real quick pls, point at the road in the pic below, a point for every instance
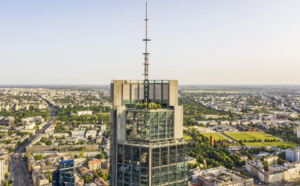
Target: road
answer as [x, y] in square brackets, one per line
[19, 170]
[42, 131]
[20, 173]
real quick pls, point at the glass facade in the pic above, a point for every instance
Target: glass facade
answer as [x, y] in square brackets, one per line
[147, 125]
[133, 167]
[149, 152]
[64, 175]
[167, 167]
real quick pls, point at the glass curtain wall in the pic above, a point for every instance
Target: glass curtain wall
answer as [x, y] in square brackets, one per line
[133, 163]
[149, 125]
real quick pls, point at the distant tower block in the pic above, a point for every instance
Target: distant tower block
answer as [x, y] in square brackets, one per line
[211, 141]
[204, 163]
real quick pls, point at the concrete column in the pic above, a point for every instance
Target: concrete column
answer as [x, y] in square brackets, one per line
[178, 122]
[173, 92]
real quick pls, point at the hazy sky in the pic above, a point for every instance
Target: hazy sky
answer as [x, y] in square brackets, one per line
[194, 41]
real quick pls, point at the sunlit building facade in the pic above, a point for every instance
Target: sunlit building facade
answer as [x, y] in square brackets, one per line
[147, 141]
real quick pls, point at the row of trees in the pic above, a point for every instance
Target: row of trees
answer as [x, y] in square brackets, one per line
[285, 132]
[18, 115]
[214, 156]
[259, 140]
[194, 111]
[85, 119]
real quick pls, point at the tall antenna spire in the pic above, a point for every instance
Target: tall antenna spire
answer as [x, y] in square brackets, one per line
[146, 63]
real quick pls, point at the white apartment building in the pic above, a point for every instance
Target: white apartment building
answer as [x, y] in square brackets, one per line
[103, 127]
[276, 173]
[2, 171]
[297, 131]
[205, 130]
[92, 133]
[79, 113]
[78, 133]
[61, 134]
[94, 164]
[30, 125]
[293, 154]
[32, 119]
[220, 176]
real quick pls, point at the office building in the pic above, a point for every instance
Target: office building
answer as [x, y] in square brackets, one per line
[147, 139]
[64, 175]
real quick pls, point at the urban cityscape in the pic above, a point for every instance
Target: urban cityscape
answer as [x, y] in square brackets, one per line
[150, 130]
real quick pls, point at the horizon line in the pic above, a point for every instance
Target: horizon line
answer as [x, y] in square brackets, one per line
[178, 84]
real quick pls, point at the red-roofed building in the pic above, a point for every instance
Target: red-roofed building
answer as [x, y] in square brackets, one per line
[94, 164]
[100, 182]
[83, 170]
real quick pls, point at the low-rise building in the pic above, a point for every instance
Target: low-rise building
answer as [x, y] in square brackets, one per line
[297, 131]
[100, 182]
[102, 127]
[276, 174]
[30, 125]
[220, 176]
[92, 133]
[94, 164]
[191, 160]
[28, 120]
[204, 130]
[215, 116]
[7, 121]
[50, 129]
[293, 154]
[224, 122]
[72, 140]
[83, 170]
[79, 133]
[80, 113]
[60, 135]
[39, 178]
[32, 131]
[272, 160]
[194, 173]
[225, 128]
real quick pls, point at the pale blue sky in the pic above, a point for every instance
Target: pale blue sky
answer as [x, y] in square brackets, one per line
[194, 41]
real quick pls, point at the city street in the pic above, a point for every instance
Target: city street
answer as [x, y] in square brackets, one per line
[19, 170]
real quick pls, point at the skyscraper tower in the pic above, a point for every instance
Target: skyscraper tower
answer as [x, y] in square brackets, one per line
[64, 175]
[147, 145]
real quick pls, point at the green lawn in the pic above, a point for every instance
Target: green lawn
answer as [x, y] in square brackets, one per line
[187, 137]
[249, 136]
[276, 144]
[216, 136]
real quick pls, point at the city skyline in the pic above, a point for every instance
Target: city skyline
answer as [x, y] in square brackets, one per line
[199, 42]
[234, 118]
